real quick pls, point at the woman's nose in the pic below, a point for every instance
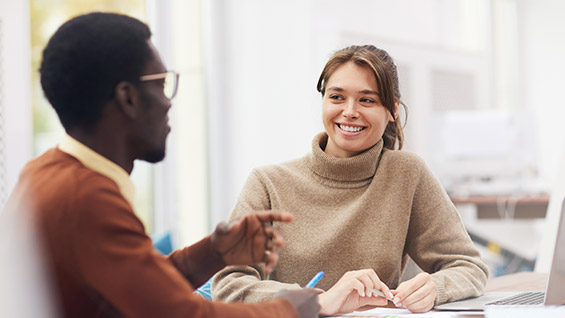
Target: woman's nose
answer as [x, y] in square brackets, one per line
[351, 110]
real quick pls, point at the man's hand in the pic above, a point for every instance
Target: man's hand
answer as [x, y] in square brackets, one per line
[250, 240]
[304, 300]
[417, 294]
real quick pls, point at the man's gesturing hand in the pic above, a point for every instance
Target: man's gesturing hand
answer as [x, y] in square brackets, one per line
[250, 240]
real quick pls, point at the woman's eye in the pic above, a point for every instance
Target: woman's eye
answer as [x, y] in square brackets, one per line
[336, 97]
[367, 100]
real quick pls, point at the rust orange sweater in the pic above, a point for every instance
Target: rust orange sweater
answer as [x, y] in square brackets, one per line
[103, 262]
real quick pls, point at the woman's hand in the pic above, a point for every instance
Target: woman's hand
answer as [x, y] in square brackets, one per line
[250, 240]
[417, 294]
[352, 291]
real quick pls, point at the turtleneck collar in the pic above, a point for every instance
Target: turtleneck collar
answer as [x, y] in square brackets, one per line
[354, 169]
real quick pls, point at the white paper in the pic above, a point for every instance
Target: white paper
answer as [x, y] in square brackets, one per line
[400, 313]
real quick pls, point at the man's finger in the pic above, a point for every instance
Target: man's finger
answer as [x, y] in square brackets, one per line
[271, 261]
[269, 246]
[278, 238]
[271, 216]
[222, 228]
[269, 231]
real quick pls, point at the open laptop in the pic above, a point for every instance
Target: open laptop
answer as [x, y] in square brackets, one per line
[554, 293]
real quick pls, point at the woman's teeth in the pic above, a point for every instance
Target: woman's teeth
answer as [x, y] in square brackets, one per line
[350, 128]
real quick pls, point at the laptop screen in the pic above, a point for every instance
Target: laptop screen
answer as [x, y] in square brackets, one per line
[555, 293]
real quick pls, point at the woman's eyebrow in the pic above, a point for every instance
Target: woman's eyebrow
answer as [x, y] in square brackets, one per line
[336, 88]
[368, 91]
[364, 91]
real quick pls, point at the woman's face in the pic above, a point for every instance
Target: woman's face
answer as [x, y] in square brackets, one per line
[353, 115]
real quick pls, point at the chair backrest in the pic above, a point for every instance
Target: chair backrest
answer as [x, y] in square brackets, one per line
[25, 283]
[163, 243]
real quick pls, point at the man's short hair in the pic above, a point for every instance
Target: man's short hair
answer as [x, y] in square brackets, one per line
[86, 58]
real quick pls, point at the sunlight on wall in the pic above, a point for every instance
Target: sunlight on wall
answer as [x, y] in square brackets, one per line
[191, 123]
[46, 16]
[181, 185]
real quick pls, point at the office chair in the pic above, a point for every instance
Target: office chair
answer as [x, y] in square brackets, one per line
[164, 244]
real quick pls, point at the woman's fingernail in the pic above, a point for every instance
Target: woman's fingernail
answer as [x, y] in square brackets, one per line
[362, 293]
[369, 294]
[396, 301]
[390, 296]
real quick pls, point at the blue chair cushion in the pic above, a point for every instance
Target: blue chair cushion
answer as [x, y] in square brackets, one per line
[163, 243]
[204, 290]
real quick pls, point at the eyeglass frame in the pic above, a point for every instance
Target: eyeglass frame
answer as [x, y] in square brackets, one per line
[158, 76]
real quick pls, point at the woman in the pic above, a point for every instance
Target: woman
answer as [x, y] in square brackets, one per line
[361, 207]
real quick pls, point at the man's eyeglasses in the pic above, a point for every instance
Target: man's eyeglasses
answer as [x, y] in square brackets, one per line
[171, 82]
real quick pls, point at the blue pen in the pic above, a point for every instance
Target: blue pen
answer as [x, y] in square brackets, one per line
[315, 280]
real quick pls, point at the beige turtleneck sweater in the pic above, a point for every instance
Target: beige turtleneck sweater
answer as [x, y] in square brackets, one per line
[372, 210]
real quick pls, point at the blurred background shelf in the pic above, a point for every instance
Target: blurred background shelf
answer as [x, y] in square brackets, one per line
[506, 229]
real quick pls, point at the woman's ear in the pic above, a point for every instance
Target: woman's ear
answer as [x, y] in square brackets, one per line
[393, 117]
[127, 98]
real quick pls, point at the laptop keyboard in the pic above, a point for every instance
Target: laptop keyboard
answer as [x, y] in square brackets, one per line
[527, 298]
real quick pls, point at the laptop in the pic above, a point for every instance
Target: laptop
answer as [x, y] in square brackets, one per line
[554, 293]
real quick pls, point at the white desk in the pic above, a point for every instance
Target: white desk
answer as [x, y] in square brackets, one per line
[519, 281]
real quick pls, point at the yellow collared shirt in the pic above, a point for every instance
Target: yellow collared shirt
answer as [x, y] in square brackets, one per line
[93, 160]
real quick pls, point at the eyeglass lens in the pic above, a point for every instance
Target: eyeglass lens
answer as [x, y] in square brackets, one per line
[171, 84]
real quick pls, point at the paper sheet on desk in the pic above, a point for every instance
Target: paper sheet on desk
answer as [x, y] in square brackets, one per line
[401, 313]
[524, 311]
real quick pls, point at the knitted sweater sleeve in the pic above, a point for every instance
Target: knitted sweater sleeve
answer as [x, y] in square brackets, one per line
[439, 243]
[248, 283]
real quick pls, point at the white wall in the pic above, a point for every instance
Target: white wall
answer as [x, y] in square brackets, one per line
[543, 60]
[264, 59]
[543, 56]
[261, 88]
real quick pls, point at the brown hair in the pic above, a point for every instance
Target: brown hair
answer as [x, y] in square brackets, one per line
[386, 75]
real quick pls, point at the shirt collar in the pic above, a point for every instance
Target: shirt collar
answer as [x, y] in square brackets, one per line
[93, 160]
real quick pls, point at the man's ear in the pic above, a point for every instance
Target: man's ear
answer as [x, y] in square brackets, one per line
[127, 99]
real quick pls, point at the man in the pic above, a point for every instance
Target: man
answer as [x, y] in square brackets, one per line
[112, 94]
